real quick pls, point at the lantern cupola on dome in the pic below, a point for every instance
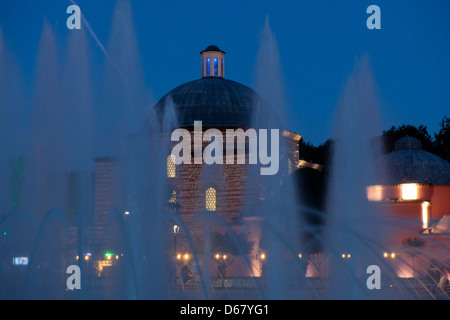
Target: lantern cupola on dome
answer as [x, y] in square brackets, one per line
[213, 62]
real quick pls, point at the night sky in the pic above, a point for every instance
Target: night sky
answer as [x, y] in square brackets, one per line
[318, 41]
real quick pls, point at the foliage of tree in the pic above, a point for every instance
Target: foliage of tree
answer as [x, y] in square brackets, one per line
[413, 247]
[237, 245]
[225, 244]
[438, 143]
[442, 139]
[320, 154]
[391, 136]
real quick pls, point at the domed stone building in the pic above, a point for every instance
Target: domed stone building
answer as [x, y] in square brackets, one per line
[232, 192]
[414, 192]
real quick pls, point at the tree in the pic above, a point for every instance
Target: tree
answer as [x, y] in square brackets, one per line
[442, 139]
[225, 247]
[320, 154]
[413, 247]
[315, 252]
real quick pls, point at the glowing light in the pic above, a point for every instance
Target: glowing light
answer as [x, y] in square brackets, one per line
[386, 254]
[127, 213]
[343, 256]
[348, 256]
[425, 206]
[217, 256]
[393, 255]
[300, 255]
[375, 193]
[86, 257]
[171, 167]
[409, 191]
[211, 199]
[216, 73]
[179, 256]
[186, 256]
[225, 257]
[101, 264]
[109, 255]
[263, 256]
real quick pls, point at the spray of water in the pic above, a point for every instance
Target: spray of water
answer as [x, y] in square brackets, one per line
[281, 232]
[353, 225]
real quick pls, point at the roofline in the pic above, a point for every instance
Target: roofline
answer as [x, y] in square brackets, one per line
[213, 51]
[292, 135]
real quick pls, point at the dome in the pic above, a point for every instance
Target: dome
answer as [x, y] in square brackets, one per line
[408, 163]
[408, 143]
[212, 48]
[215, 101]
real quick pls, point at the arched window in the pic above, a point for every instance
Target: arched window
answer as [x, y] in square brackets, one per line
[208, 67]
[173, 197]
[216, 67]
[210, 199]
[171, 167]
[173, 201]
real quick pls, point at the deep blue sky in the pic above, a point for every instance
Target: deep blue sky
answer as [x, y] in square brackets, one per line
[318, 42]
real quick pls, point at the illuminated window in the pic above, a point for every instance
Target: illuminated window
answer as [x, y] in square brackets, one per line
[171, 168]
[409, 191]
[425, 214]
[173, 202]
[375, 193]
[173, 197]
[208, 66]
[210, 199]
[216, 67]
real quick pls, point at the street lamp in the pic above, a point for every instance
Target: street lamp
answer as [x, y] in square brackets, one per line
[176, 230]
[261, 257]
